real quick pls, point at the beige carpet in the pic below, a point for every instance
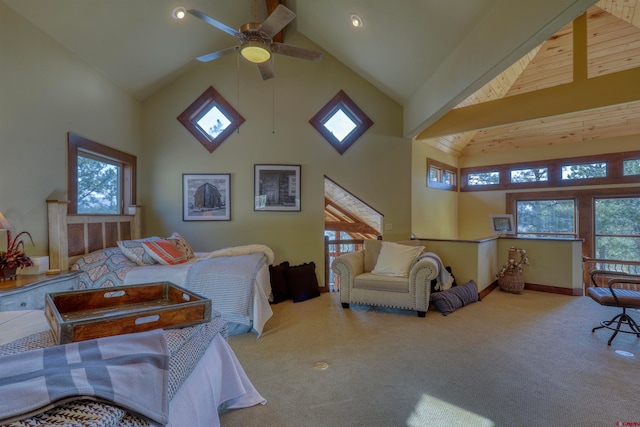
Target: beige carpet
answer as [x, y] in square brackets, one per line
[509, 360]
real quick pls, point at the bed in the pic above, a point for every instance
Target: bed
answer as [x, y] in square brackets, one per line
[201, 376]
[109, 251]
[174, 377]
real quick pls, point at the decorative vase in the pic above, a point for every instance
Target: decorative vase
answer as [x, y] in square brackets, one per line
[8, 273]
[512, 281]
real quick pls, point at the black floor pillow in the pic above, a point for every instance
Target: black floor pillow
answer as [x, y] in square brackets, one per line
[302, 282]
[279, 287]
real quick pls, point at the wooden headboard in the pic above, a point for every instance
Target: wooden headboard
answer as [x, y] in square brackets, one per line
[72, 236]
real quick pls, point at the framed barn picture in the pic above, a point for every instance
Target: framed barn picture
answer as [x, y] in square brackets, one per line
[206, 197]
[277, 188]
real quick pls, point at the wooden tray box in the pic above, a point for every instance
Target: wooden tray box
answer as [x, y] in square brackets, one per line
[95, 313]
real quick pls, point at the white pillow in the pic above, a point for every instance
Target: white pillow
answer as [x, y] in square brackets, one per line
[396, 259]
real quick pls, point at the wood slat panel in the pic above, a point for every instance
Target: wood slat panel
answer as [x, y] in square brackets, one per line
[613, 43]
[111, 233]
[76, 239]
[95, 240]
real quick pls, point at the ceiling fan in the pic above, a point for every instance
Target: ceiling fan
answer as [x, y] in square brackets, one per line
[256, 40]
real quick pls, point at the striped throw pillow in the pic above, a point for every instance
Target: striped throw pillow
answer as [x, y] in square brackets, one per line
[165, 251]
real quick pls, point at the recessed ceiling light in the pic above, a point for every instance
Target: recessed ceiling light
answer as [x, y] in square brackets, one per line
[179, 12]
[356, 21]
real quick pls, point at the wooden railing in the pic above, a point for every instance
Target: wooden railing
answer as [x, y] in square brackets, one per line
[332, 250]
[614, 266]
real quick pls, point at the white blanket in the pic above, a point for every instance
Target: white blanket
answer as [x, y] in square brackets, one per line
[445, 280]
[241, 250]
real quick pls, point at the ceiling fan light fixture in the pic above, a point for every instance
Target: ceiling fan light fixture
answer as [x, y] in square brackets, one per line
[179, 12]
[255, 52]
[356, 21]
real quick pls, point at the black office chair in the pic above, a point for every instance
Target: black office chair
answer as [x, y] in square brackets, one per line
[616, 289]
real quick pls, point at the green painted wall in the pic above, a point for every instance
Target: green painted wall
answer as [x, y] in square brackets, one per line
[276, 131]
[45, 92]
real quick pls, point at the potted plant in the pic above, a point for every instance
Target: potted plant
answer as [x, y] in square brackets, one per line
[510, 275]
[14, 257]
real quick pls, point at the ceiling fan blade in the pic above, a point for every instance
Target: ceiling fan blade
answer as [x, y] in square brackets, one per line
[296, 52]
[215, 55]
[266, 70]
[277, 21]
[219, 25]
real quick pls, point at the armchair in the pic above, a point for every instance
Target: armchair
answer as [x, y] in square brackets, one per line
[359, 284]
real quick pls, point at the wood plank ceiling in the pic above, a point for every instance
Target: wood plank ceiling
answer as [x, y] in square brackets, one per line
[345, 212]
[613, 45]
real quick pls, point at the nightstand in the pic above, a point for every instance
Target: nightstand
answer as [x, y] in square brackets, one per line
[28, 292]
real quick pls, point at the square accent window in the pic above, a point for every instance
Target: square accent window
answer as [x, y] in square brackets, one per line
[211, 119]
[341, 122]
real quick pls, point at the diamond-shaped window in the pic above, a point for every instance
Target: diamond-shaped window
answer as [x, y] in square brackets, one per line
[341, 122]
[211, 119]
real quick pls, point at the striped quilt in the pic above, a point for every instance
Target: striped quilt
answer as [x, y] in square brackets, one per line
[184, 347]
[228, 282]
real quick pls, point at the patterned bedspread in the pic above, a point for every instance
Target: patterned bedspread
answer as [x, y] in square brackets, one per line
[185, 347]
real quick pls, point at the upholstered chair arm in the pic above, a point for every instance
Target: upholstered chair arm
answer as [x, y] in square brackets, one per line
[420, 277]
[348, 266]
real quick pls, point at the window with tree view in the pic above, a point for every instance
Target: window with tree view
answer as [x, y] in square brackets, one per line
[585, 170]
[546, 218]
[99, 184]
[617, 228]
[102, 180]
[631, 167]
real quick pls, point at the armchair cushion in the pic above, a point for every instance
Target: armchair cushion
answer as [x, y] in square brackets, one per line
[396, 259]
[377, 282]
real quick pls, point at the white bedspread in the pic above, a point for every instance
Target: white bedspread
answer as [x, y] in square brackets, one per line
[177, 274]
[196, 403]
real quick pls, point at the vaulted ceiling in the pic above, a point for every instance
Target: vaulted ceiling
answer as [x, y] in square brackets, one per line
[426, 55]
[611, 42]
[461, 69]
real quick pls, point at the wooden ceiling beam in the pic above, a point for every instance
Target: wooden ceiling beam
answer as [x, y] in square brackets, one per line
[271, 6]
[597, 92]
[349, 227]
[329, 203]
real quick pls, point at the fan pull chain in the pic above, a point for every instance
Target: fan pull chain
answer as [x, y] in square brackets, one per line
[238, 92]
[273, 99]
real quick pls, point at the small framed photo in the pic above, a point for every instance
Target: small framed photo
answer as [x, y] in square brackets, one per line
[277, 188]
[502, 224]
[206, 197]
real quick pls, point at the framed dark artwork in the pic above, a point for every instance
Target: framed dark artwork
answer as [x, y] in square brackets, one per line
[502, 224]
[277, 188]
[206, 197]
